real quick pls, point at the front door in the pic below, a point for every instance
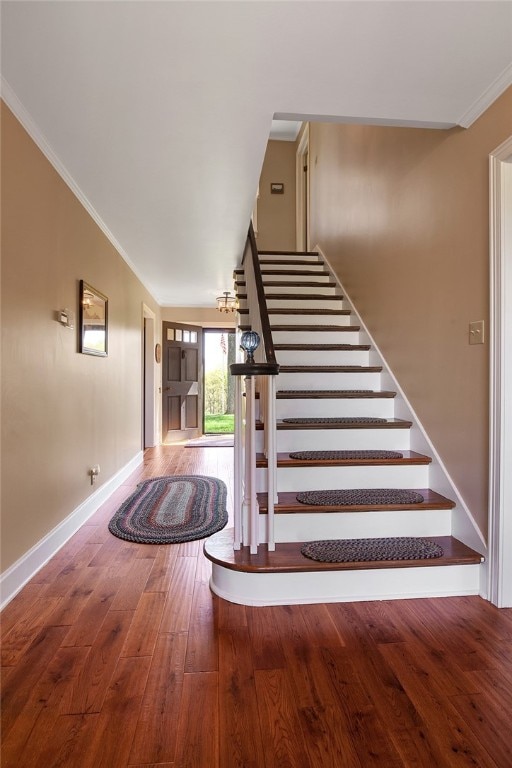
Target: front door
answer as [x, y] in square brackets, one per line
[182, 397]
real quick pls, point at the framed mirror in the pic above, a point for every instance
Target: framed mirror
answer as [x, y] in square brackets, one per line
[93, 338]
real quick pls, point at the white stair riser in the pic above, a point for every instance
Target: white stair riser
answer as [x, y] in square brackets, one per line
[338, 439]
[344, 586]
[358, 525]
[321, 289]
[292, 278]
[305, 303]
[322, 357]
[371, 406]
[314, 337]
[321, 380]
[278, 319]
[313, 266]
[325, 478]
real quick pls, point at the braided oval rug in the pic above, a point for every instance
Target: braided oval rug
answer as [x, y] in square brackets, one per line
[357, 496]
[366, 550]
[169, 510]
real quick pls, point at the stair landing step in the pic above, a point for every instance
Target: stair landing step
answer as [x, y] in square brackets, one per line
[288, 504]
[330, 394]
[285, 460]
[287, 557]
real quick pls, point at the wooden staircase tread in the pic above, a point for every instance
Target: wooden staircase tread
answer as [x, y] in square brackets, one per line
[304, 296]
[323, 347]
[288, 504]
[300, 284]
[316, 328]
[287, 557]
[388, 424]
[331, 368]
[307, 311]
[287, 253]
[293, 262]
[327, 394]
[306, 272]
[285, 460]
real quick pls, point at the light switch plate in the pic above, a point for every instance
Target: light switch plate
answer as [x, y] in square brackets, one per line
[476, 332]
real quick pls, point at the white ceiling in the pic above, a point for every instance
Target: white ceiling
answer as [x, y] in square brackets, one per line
[158, 113]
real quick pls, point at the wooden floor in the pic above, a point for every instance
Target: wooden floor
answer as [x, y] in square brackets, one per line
[117, 654]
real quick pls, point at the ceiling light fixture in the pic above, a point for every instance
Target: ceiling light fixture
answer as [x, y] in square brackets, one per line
[226, 302]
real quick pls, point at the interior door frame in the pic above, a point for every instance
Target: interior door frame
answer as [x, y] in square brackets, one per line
[149, 425]
[302, 192]
[500, 422]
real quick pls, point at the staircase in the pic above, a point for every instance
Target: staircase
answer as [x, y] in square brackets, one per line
[331, 376]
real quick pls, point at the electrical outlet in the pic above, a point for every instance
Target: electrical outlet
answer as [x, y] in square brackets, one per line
[476, 332]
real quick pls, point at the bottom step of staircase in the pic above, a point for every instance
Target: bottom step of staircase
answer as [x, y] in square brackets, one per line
[285, 576]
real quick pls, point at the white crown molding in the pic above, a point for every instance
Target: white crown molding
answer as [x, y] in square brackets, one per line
[489, 96]
[19, 573]
[29, 124]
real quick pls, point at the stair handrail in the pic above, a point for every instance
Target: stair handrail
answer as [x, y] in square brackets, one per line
[261, 372]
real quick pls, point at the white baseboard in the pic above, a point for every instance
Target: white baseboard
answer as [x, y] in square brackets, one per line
[20, 572]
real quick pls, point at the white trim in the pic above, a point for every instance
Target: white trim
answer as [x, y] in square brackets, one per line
[149, 411]
[464, 526]
[301, 190]
[306, 587]
[500, 445]
[489, 96]
[44, 145]
[20, 572]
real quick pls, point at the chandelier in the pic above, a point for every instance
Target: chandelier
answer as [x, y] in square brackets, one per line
[226, 302]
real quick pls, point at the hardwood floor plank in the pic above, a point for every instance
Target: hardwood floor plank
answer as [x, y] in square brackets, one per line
[203, 642]
[113, 735]
[129, 593]
[490, 723]
[322, 630]
[156, 732]
[26, 630]
[267, 650]
[143, 632]
[446, 731]
[19, 606]
[283, 743]
[90, 687]
[240, 736]
[176, 614]
[198, 728]
[41, 710]
[20, 683]
[88, 623]
[162, 570]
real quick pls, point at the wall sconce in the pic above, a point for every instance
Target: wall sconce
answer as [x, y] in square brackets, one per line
[226, 302]
[66, 317]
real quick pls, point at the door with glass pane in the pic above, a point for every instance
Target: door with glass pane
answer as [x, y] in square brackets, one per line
[182, 396]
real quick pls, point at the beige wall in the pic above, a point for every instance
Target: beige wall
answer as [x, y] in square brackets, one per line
[276, 213]
[62, 411]
[403, 217]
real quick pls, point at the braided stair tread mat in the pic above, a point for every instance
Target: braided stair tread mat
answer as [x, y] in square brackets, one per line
[322, 367]
[313, 455]
[365, 550]
[335, 420]
[358, 496]
[324, 391]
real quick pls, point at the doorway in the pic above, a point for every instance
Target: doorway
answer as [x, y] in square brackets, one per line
[182, 397]
[148, 379]
[302, 187]
[219, 351]
[500, 448]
